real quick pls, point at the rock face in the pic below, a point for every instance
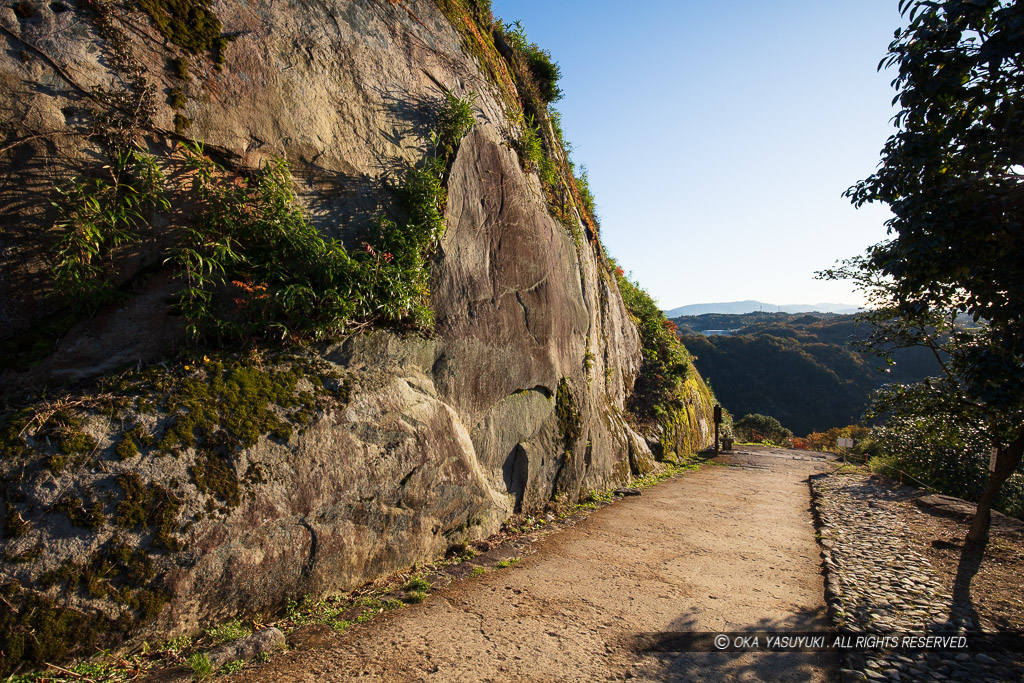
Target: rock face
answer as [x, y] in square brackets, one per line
[517, 399]
[523, 307]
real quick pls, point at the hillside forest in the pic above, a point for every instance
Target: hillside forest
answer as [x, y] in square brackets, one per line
[810, 375]
[798, 368]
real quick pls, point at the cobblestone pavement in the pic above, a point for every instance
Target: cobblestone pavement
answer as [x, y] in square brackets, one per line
[875, 583]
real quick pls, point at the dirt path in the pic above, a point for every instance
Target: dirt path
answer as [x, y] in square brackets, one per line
[724, 549]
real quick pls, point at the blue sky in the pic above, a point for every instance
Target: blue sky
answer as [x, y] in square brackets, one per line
[720, 136]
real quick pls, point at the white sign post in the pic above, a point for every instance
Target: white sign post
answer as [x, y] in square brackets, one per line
[992, 460]
[844, 443]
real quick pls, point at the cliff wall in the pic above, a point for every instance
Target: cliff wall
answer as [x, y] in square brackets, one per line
[172, 484]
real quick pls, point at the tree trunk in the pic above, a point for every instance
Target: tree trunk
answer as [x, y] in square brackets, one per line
[1007, 460]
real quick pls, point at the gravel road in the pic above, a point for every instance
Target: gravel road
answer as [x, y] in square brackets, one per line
[728, 548]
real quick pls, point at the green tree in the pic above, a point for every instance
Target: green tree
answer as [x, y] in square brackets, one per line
[952, 176]
[950, 455]
[757, 427]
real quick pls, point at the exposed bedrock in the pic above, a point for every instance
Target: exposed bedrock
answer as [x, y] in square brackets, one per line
[412, 442]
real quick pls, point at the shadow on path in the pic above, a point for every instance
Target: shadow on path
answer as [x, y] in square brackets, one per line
[962, 609]
[684, 654]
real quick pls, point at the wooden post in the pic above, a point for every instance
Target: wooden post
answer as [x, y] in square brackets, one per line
[718, 420]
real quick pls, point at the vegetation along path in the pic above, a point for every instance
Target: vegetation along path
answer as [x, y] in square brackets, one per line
[730, 547]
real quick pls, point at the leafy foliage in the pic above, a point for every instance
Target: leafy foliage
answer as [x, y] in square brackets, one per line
[250, 263]
[200, 665]
[250, 236]
[761, 428]
[587, 197]
[828, 441]
[545, 73]
[941, 453]
[455, 119]
[99, 214]
[973, 372]
[481, 9]
[951, 176]
[666, 362]
[286, 277]
[530, 147]
[540, 141]
[976, 389]
[234, 666]
[227, 631]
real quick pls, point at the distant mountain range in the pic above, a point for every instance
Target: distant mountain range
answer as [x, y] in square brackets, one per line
[737, 307]
[798, 368]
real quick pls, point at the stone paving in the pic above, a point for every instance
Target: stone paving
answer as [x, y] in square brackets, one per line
[875, 583]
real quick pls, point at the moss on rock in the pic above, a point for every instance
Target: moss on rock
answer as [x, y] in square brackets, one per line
[116, 571]
[25, 556]
[570, 421]
[229, 406]
[684, 422]
[14, 524]
[149, 506]
[88, 516]
[216, 477]
[189, 24]
[12, 440]
[39, 632]
[126, 448]
[75, 441]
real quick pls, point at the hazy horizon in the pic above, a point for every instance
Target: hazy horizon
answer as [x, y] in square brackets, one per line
[754, 306]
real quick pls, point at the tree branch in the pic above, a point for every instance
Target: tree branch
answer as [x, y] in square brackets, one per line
[933, 346]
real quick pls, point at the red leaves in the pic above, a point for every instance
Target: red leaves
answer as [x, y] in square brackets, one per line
[252, 292]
